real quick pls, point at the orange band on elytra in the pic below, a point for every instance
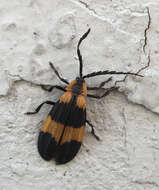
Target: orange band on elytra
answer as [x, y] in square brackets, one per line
[66, 97]
[71, 134]
[53, 128]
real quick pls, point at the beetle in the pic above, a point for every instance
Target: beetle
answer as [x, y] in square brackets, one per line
[62, 132]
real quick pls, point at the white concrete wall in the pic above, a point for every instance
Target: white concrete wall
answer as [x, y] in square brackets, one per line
[34, 32]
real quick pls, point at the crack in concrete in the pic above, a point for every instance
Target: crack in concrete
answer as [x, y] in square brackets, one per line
[146, 30]
[82, 4]
[141, 69]
[92, 12]
[148, 64]
[125, 135]
[25, 80]
[20, 79]
[146, 182]
[88, 7]
[124, 127]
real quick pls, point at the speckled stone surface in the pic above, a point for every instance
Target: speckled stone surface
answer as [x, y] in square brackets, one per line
[124, 37]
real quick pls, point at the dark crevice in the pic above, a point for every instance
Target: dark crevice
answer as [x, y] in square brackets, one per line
[88, 7]
[146, 30]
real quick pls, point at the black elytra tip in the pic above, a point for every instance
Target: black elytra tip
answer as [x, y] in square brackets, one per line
[46, 146]
[67, 151]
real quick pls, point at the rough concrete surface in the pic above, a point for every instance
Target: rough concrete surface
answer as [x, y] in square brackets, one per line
[124, 37]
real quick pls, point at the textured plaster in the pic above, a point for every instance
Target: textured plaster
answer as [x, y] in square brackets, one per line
[124, 37]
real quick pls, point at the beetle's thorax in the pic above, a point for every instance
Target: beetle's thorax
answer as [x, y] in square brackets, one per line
[77, 87]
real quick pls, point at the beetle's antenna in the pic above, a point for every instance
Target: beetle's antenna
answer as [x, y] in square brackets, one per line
[107, 72]
[79, 54]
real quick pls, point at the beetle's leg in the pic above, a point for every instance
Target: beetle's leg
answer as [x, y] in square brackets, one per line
[101, 85]
[39, 107]
[108, 91]
[45, 87]
[58, 75]
[93, 132]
